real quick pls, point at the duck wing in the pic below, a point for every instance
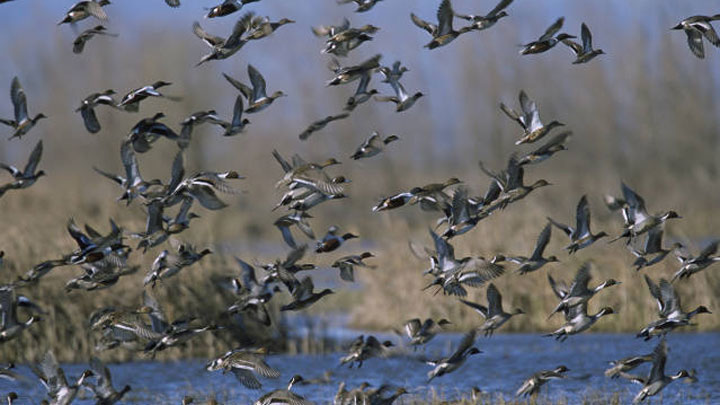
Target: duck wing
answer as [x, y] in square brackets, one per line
[34, 159]
[243, 88]
[709, 250]
[19, 100]
[582, 278]
[499, 7]
[211, 40]
[258, 83]
[494, 301]
[427, 26]
[586, 38]
[246, 378]
[480, 309]
[551, 30]
[560, 289]
[542, 242]
[445, 17]
[694, 39]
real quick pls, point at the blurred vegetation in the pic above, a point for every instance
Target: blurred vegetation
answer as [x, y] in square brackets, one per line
[646, 113]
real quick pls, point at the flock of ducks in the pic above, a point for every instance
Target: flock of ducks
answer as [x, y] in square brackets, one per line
[104, 256]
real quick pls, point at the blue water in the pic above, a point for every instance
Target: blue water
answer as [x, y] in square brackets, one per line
[505, 362]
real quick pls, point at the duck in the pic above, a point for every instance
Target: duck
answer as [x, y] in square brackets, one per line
[10, 326]
[548, 40]
[362, 94]
[331, 241]
[174, 337]
[22, 124]
[639, 221]
[651, 251]
[257, 97]
[227, 7]
[581, 236]
[304, 296]
[494, 315]
[348, 74]
[451, 363]
[462, 214]
[147, 131]
[167, 265]
[403, 101]
[284, 396]
[299, 219]
[87, 108]
[104, 391]
[577, 320]
[451, 273]
[376, 397]
[344, 41]
[299, 167]
[583, 53]
[552, 146]
[373, 146]
[53, 378]
[88, 34]
[238, 123]
[202, 186]
[320, 124]
[262, 27]
[392, 202]
[533, 128]
[100, 275]
[11, 397]
[131, 100]
[133, 184]
[347, 264]
[223, 48]
[84, 9]
[512, 186]
[94, 247]
[306, 192]
[626, 364]
[442, 33]
[362, 349]
[243, 363]
[531, 386]
[7, 373]
[695, 28]
[670, 312]
[198, 118]
[26, 177]
[692, 265]
[362, 5]
[421, 332]
[433, 190]
[656, 381]
[536, 260]
[480, 22]
[578, 292]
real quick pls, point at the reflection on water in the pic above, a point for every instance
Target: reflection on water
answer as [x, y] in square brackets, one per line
[506, 361]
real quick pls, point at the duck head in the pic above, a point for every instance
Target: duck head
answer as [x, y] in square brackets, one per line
[561, 369]
[702, 310]
[564, 36]
[349, 236]
[677, 27]
[160, 83]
